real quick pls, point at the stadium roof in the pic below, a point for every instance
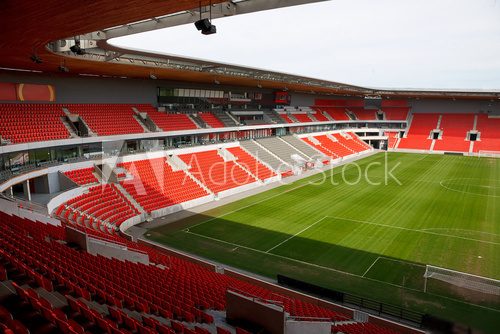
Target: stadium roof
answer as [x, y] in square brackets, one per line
[47, 29]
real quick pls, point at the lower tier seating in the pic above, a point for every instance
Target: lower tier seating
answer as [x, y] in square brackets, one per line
[105, 295]
[155, 185]
[250, 163]
[418, 136]
[218, 175]
[488, 128]
[454, 129]
[261, 154]
[82, 176]
[102, 207]
[281, 149]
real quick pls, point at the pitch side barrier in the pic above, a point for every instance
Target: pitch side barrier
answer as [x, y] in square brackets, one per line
[371, 306]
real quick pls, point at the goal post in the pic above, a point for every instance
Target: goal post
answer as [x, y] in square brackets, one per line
[488, 154]
[457, 280]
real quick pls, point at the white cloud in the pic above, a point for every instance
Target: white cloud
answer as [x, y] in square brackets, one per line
[383, 43]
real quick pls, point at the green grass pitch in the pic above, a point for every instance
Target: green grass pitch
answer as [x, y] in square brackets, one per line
[372, 240]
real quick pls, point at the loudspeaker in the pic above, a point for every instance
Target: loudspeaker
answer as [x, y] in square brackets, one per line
[211, 30]
[203, 24]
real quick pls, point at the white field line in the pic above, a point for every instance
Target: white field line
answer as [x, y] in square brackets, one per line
[333, 270]
[265, 199]
[370, 267]
[391, 259]
[425, 231]
[296, 234]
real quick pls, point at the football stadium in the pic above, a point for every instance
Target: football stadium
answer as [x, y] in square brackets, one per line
[145, 192]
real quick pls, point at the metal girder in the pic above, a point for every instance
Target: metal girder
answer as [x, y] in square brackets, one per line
[228, 8]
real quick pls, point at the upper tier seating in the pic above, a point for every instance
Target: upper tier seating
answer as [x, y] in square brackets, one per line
[102, 207]
[455, 128]
[171, 121]
[211, 120]
[107, 119]
[489, 129]
[218, 175]
[82, 176]
[320, 117]
[155, 185]
[250, 163]
[396, 113]
[23, 123]
[286, 118]
[337, 113]
[302, 118]
[364, 114]
[418, 136]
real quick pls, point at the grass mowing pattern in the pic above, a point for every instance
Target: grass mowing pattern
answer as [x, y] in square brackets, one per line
[362, 238]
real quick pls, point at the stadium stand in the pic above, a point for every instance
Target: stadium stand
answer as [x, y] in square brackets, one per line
[82, 176]
[281, 149]
[337, 145]
[337, 113]
[396, 113]
[455, 128]
[107, 119]
[303, 118]
[218, 175]
[100, 294]
[489, 139]
[418, 136]
[102, 207]
[211, 120]
[286, 118]
[350, 140]
[155, 185]
[171, 121]
[264, 155]
[302, 147]
[320, 117]
[392, 138]
[250, 163]
[23, 123]
[364, 114]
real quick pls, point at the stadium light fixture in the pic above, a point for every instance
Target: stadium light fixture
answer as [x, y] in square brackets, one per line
[205, 25]
[77, 49]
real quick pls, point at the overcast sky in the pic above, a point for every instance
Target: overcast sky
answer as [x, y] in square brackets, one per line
[375, 43]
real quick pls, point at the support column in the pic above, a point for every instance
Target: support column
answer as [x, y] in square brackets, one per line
[11, 192]
[26, 190]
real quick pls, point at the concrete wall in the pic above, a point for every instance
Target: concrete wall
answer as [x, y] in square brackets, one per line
[83, 89]
[450, 106]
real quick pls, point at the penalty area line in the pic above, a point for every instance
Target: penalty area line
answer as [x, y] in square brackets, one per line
[370, 267]
[296, 234]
